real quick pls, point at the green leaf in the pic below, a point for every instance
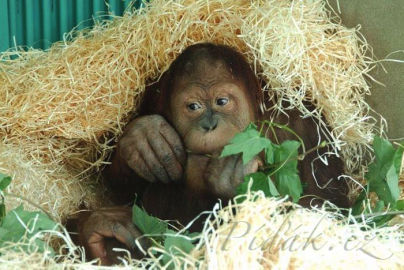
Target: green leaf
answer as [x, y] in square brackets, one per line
[249, 143]
[400, 205]
[379, 207]
[176, 245]
[180, 242]
[383, 173]
[2, 211]
[3, 232]
[381, 220]
[357, 208]
[146, 223]
[273, 191]
[289, 184]
[4, 181]
[287, 179]
[397, 159]
[269, 154]
[383, 149]
[260, 181]
[192, 235]
[382, 190]
[286, 155]
[20, 226]
[392, 183]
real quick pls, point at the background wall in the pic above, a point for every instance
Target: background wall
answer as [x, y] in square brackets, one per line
[382, 25]
[38, 23]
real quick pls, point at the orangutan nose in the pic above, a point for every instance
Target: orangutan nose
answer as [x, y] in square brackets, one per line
[209, 122]
[210, 127]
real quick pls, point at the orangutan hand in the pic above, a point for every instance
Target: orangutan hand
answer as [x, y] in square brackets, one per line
[100, 230]
[223, 175]
[152, 148]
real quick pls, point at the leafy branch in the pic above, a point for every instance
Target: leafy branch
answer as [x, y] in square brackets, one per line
[281, 164]
[20, 226]
[173, 243]
[271, 126]
[381, 179]
[281, 161]
[29, 202]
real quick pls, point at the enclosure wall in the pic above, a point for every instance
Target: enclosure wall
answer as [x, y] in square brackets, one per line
[39, 23]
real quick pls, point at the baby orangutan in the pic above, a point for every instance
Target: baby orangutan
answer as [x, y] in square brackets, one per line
[169, 154]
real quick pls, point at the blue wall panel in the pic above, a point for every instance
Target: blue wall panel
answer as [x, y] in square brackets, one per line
[39, 23]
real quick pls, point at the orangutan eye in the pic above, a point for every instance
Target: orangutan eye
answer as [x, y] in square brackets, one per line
[222, 101]
[194, 106]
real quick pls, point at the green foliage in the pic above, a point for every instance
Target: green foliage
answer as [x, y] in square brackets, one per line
[4, 181]
[21, 226]
[287, 179]
[280, 159]
[260, 181]
[146, 223]
[280, 177]
[400, 205]
[173, 243]
[2, 212]
[249, 143]
[357, 208]
[382, 179]
[384, 172]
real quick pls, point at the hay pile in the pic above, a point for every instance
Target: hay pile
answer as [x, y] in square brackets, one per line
[260, 233]
[62, 110]
[300, 239]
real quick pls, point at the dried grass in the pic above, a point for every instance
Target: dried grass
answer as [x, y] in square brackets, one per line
[300, 239]
[61, 110]
[60, 106]
[279, 235]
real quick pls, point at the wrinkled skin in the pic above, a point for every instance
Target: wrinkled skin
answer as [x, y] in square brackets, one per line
[107, 228]
[153, 149]
[169, 154]
[221, 175]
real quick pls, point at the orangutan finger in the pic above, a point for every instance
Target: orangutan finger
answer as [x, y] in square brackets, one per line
[153, 163]
[123, 235]
[166, 156]
[96, 246]
[173, 139]
[143, 241]
[138, 164]
[228, 169]
[238, 172]
[252, 166]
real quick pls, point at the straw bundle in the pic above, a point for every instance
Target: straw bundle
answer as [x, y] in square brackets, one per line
[62, 110]
[260, 233]
[266, 234]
